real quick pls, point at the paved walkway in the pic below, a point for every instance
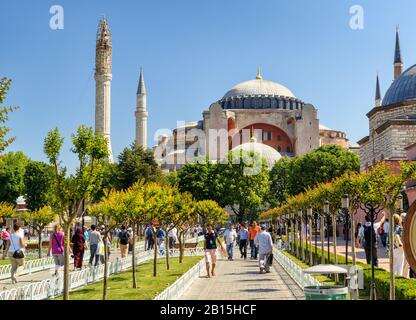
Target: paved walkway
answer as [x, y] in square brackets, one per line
[240, 280]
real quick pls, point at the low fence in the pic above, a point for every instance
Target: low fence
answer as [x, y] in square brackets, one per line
[178, 288]
[294, 271]
[52, 287]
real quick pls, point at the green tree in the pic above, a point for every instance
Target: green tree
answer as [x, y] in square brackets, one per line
[4, 115]
[37, 184]
[7, 210]
[210, 212]
[39, 220]
[71, 192]
[134, 164]
[290, 177]
[244, 184]
[12, 171]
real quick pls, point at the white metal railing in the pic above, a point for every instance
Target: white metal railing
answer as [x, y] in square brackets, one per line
[45, 263]
[52, 287]
[177, 289]
[294, 271]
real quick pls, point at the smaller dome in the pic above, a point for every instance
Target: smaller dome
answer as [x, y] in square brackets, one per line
[403, 88]
[268, 153]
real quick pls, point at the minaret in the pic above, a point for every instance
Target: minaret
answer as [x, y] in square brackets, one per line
[103, 76]
[141, 113]
[378, 93]
[398, 63]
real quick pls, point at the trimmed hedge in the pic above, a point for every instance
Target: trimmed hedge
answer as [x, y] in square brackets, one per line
[405, 288]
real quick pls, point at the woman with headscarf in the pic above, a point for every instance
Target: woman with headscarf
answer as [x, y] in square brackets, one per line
[78, 249]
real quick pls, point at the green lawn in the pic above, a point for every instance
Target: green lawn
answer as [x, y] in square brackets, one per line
[148, 287]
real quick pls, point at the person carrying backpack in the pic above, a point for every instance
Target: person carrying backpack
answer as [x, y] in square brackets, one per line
[365, 239]
[123, 241]
[150, 240]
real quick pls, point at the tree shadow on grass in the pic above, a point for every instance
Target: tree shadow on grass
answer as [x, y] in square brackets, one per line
[259, 290]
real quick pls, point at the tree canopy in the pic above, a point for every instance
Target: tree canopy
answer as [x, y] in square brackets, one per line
[4, 115]
[12, 170]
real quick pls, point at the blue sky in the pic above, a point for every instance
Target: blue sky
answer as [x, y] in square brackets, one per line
[192, 52]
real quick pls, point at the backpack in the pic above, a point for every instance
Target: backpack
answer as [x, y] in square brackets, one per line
[149, 232]
[124, 237]
[367, 236]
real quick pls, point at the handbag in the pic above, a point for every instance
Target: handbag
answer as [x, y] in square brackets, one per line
[17, 254]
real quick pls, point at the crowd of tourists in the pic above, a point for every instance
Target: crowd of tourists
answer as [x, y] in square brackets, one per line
[259, 238]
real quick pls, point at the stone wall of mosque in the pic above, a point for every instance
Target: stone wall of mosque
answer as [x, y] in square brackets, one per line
[390, 144]
[388, 113]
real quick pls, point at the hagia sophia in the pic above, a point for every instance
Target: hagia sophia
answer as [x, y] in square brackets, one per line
[267, 117]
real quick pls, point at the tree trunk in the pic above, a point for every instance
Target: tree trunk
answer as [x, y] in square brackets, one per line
[66, 260]
[180, 239]
[322, 240]
[105, 266]
[133, 257]
[392, 293]
[154, 254]
[40, 244]
[167, 249]
[302, 242]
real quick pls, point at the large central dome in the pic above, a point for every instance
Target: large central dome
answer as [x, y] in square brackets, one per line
[259, 87]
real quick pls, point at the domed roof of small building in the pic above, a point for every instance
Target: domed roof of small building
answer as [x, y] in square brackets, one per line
[403, 88]
[259, 87]
[270, 154]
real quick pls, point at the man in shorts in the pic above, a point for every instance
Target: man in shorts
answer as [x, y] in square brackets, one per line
[210, 250]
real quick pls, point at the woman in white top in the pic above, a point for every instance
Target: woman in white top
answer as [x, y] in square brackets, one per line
[15, 243]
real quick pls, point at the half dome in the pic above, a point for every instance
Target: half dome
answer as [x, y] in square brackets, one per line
[403, 88]
[259, 87]
[268, 153]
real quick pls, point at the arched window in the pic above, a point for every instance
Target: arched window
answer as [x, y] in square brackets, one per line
[288, 149]
[279, 148]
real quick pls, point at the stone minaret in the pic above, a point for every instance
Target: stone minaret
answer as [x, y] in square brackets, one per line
[378, 93]
[103, 76]
[398, 63]
[141, 113]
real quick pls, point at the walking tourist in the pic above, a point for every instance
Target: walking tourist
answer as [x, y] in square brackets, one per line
[15, 249]
[5, 235]
[398, 251]
[78, 248]
[364, 234]
[86, 234]
[160, 236]
[243, 234]
[56, 245]
[130, 231]
[123, 241]
[210, 250]
[99, 254]
[264, 242]
[149, 236]
[172, 235]
[95, 238]
[230, 237]
[386, 229]
[253, 230]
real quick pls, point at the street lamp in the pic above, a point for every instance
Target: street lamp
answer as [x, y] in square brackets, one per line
[372, 211]
[292, 224]
[309, 215]
[328, 223]
[301, 242]
[345, 204]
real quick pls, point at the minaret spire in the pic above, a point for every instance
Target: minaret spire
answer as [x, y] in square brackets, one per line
[103, 76]
[141, 112]
[398, 62]
[378, 93]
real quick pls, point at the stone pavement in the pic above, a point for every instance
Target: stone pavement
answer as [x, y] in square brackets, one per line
[240, 280]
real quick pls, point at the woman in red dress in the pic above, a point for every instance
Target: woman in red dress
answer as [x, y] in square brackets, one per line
[78, 249]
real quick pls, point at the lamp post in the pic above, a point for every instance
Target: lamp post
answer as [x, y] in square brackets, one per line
[345, 204]
[328, 223]
[309, 214]
[372, 211]
[316, 217]
[301, 234]
[292, 224]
